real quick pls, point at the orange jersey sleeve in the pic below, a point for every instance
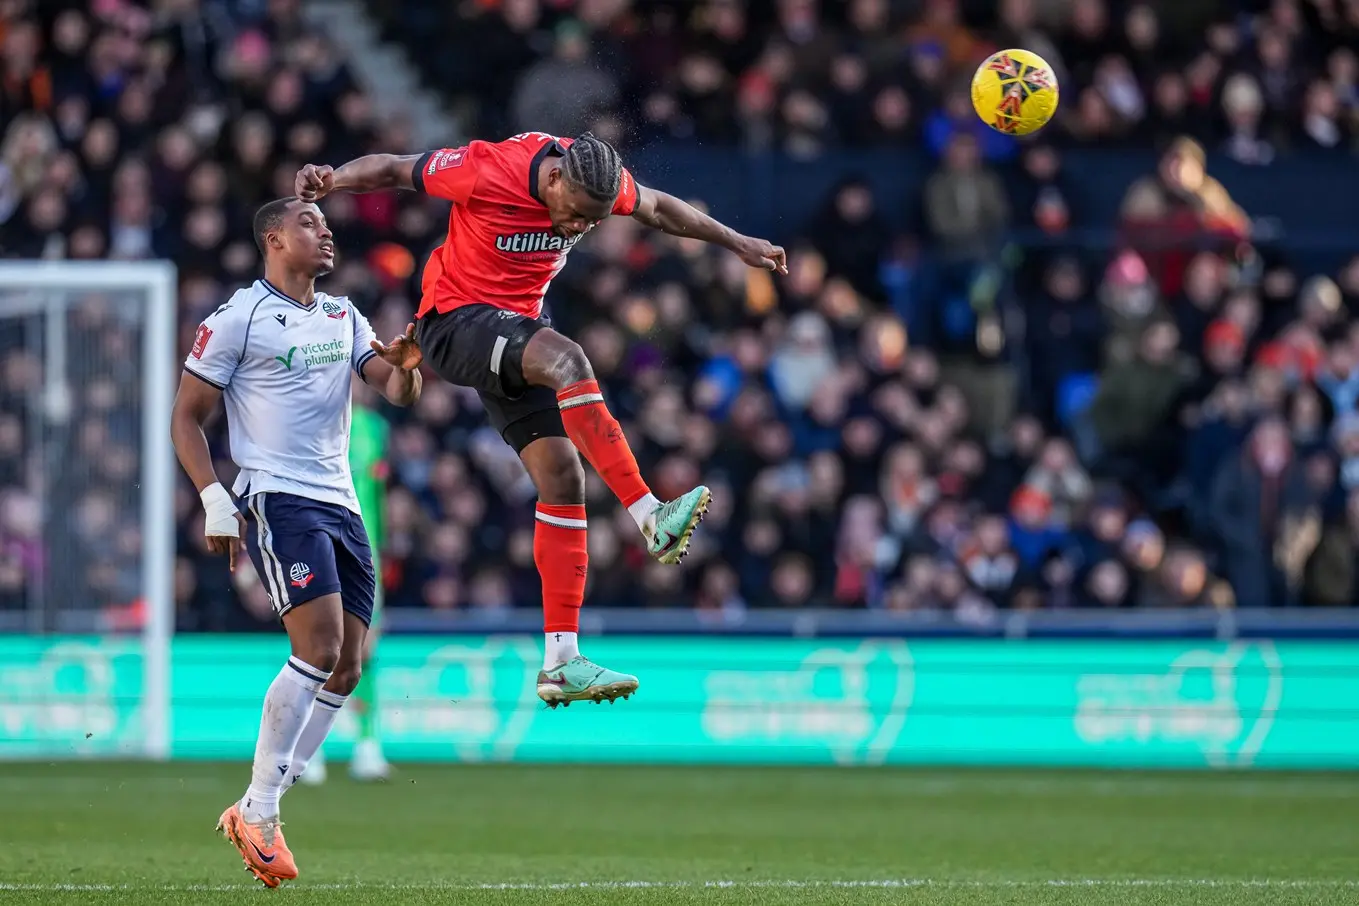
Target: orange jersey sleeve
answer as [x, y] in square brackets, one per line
[449, 173]
[626, 202]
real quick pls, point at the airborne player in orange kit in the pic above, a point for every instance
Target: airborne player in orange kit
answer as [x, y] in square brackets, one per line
[519, 207]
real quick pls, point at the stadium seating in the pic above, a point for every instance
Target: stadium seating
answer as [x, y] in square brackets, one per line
[835, 411]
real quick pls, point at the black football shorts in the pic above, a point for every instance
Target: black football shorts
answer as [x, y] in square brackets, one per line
[482, 347]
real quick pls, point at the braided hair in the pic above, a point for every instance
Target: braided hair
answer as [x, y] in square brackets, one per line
[594, 166]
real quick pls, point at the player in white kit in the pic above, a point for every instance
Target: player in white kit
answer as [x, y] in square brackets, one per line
[280, 354]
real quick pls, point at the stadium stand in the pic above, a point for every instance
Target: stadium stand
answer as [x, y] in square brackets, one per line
[1018, 380]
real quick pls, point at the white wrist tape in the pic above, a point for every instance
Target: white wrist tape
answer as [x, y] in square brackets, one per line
[220, 510]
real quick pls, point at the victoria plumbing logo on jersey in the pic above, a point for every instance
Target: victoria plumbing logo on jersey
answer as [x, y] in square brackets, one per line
[543, 241]
[329, 353]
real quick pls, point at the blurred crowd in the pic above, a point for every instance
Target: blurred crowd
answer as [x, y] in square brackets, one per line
[911, 419]
[805, 76]
[136, 131]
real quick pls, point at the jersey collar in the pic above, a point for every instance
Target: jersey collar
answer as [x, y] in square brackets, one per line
[285, 297]
[552, 147]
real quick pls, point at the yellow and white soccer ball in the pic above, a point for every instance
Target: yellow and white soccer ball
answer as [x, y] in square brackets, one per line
[1015, 92]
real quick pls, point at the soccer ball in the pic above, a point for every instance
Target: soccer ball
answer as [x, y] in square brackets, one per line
[1015, 92]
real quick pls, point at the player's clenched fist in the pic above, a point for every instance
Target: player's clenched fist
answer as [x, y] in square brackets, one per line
[314, 182]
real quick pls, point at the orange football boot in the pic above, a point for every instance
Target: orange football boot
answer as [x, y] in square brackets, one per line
[262, 847]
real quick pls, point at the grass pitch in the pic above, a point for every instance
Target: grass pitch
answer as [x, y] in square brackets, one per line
[138, 833]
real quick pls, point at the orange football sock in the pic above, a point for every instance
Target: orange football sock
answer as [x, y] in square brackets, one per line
[596, 434]
[562, 556]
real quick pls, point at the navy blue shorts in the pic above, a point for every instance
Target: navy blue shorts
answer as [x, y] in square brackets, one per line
[303, 549]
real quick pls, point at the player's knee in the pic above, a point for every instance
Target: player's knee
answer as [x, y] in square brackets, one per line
[571, 366]
[319, 647]
[345, 678]
[322, 655]
[316, 630]
[561, 479]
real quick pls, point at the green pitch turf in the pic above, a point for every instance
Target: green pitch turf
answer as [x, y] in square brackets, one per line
[526, 835]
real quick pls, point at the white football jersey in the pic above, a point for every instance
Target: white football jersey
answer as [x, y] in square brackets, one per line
[284, 368]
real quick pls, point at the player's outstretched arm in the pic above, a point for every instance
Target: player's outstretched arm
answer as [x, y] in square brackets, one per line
[396, 368]
[371, 173]
[195, 401]
[678, 218]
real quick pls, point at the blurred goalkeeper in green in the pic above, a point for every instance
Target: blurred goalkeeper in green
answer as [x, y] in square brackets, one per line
[368, 462]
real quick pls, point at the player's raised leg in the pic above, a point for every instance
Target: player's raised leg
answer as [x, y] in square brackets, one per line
[561, 553]
[552, 360]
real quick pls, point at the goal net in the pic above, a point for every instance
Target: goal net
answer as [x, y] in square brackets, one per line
[87, 377]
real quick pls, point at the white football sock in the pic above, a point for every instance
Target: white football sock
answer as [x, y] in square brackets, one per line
[287, 708]
[643, 508]
[560, 648]
[328, 705]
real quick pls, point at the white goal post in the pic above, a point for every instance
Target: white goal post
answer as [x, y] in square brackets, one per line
[41, 320]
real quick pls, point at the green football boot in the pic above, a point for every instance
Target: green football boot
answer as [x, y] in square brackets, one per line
[668, 530]
[581, 680]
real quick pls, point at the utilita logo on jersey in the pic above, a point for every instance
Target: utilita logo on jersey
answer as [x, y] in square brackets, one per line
[530, 243]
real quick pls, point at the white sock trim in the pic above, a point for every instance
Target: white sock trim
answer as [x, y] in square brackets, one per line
[561, 521]
[307, 676]
[641, 509]
[560, 647]
[331, 700]
[585, 399]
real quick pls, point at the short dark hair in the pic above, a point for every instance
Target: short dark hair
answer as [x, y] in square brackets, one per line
[270, 217]
[594, 166]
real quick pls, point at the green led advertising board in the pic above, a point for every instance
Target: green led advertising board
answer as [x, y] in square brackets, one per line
[730, 700]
